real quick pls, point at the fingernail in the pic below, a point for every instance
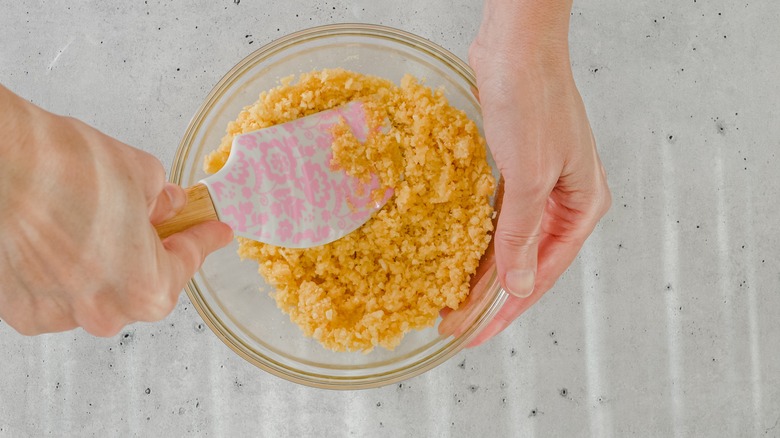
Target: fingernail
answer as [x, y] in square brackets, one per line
[177, 196]
[520, 282]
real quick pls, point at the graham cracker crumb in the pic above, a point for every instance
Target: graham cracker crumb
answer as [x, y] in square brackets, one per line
[417, 254]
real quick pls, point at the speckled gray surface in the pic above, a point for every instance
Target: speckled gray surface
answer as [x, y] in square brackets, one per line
[666, 325]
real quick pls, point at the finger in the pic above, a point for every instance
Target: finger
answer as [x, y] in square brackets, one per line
[101, 315]
[36, 325]
[148, 170]
[31, 316]
[55, 316]
[169, 202]
[556, 253]
[519, 229]
[181, 254]
[570, 217]
[511, 309]
[145, 170]
[186, 251]
[554, 258]
[530, 171]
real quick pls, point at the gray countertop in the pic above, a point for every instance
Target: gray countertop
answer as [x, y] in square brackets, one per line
[665, 325]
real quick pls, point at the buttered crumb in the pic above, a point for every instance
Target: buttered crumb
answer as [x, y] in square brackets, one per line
[417, 254]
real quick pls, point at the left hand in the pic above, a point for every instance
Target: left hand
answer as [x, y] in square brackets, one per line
[555, 185]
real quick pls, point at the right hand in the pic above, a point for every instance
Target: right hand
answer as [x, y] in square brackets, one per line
[78, 247]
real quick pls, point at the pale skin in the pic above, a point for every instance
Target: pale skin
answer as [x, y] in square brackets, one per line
[535, 123]
[78, 246]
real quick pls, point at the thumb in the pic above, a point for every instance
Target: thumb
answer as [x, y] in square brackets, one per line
[518, 233]
[170, 200]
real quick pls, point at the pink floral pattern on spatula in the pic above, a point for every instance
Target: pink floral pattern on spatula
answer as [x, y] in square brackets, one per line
[278, 187]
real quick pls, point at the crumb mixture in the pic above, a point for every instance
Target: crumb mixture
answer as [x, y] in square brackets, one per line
[417, 254]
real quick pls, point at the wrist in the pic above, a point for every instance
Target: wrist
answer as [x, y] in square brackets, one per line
[528, 34]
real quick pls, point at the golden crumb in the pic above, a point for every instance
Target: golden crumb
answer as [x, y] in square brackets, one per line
[418, 253]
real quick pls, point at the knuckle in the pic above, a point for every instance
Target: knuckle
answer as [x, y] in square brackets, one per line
[516, 239]
[37, 316]
[99, 317]
[156, 167]
[149, 173]
[103, 327]
[473, 54]
[603, 189]
[188, 250]
[103, 332]
[601, 200]
[544, 284]
[606, 202]
[476, 49]
[154, 173]
[152, 165]
[528, 190]
[23, 325]
[479, 53]
[27, 330]
[151, 305]
[159, 308]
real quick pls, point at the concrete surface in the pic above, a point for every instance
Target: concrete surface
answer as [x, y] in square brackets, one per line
[666, 325]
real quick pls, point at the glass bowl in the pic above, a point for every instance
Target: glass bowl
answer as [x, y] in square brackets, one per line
[232, 297]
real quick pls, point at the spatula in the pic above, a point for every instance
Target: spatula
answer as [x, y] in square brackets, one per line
[278, 185]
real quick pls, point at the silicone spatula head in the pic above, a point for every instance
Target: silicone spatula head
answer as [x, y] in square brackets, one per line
[278, 185]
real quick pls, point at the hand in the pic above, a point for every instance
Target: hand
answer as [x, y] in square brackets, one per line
[77, 241]
[537, 129]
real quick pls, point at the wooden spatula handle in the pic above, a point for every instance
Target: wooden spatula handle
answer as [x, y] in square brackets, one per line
[199, 209]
